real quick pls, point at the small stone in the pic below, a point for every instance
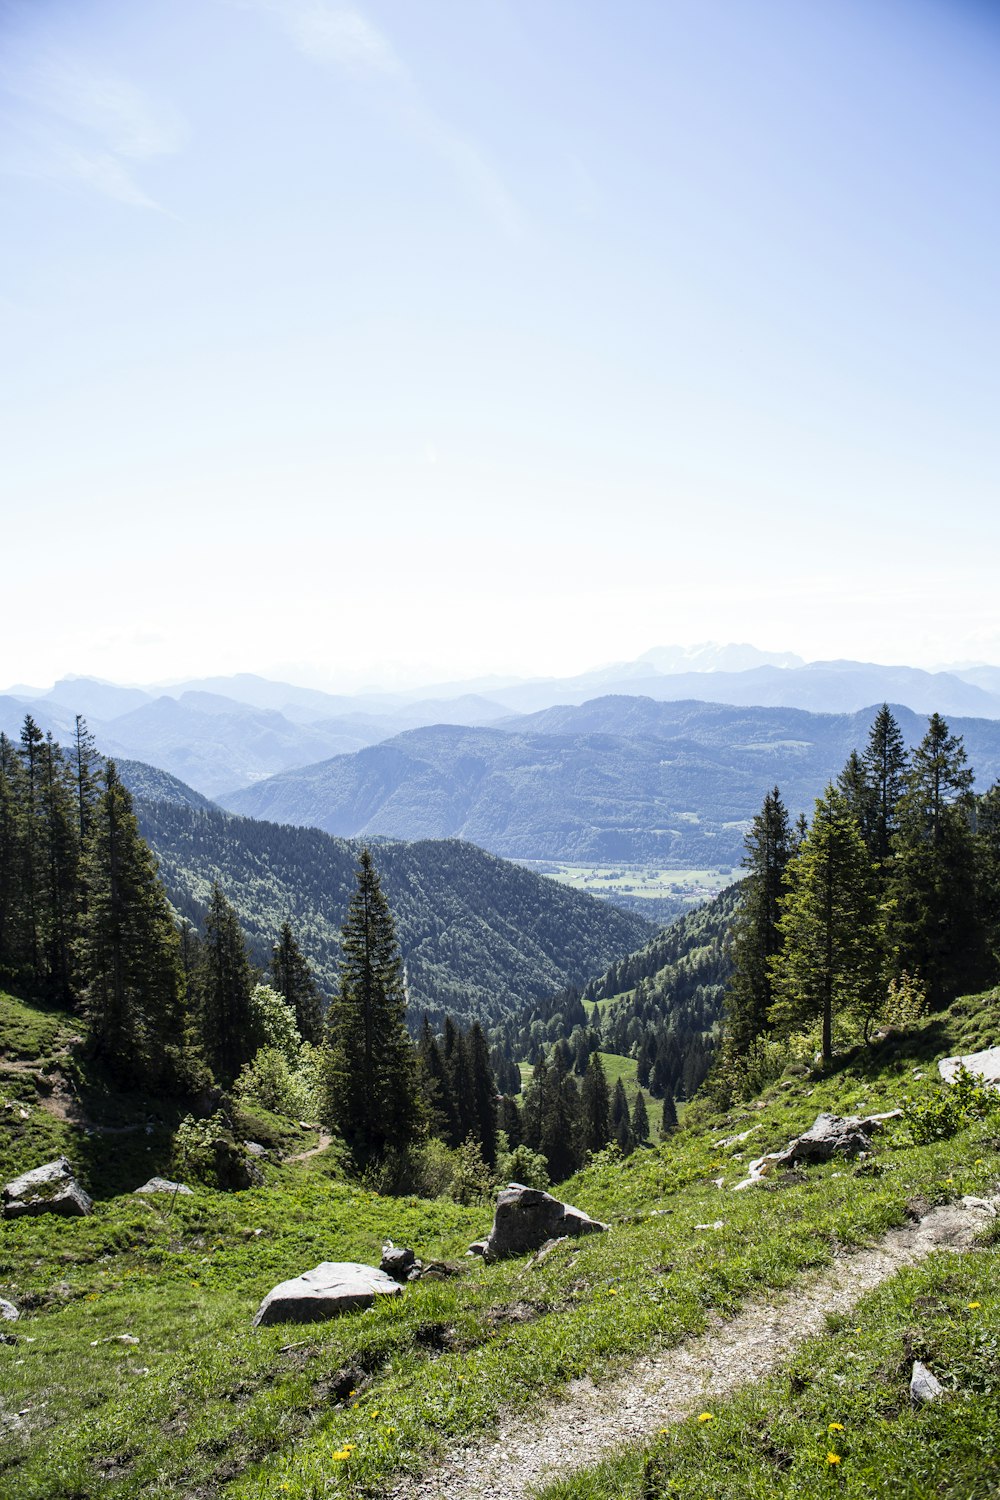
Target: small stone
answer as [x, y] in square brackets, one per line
[163, 1185]
[924, 1387]
[8, 1312]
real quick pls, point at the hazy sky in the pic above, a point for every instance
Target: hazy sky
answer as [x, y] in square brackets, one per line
[496, 335]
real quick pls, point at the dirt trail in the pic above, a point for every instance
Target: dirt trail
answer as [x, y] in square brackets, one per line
[324, 1141]
[576, 1431]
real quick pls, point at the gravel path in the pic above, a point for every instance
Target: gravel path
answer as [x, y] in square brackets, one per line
[324, 1141]
[575, 1432]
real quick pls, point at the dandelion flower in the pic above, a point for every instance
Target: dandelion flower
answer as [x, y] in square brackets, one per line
[612, 1292]
[835, 1427]
[706, 1416]
[974, 1304]
[832, 1458]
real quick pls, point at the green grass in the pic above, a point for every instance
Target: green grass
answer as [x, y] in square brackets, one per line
[202, 1405]
[839, 1420]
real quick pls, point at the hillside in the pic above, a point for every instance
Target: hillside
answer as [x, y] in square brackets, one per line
[134, 1370]
[616, 779]
[479, 936]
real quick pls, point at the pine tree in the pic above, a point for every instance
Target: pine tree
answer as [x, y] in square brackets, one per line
[640, 1120]
[885, 763]
[831, 960]
[14, 953]
[757, 937]
[668, 1121]
[595, 1107]
[128, 955]
[294, 980]
[621, 1121]
[483, 1094]
[225, 983]
[85, 763]
[861, 798]
[935, 925]
[372, 1095]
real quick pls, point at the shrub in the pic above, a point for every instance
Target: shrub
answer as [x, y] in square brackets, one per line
[941, 1113]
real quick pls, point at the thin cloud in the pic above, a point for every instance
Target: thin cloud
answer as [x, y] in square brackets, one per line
[340, 36]
[75, 125]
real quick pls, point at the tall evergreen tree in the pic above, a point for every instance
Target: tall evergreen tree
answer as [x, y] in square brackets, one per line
[294, 980]
[935, 926]
[885, 764]
[861, 798]
[668, 1120]
[128, 955]
[831, 960]
[757, 937]
[483, 1094]
[621, 1120]
[225, 983]
[640, 1120]
[372, 1096]
[595, 1106]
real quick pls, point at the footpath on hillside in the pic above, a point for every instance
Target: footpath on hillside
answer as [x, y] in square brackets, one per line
[575, 1432]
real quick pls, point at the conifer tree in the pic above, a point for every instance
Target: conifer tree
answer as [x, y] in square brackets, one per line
[831, 960]
[621, 1122]
[372, 1097]
[860, 796]
[935, 924]
[225, 982]
[128, 955]
[595, 1106]
[757, 937]
[294, 980]
[482, 1093]
[640, 1120]
[13, 924]
[668, 1120]
[885, 764]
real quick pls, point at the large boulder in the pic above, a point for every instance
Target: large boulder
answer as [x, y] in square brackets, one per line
[526, 1218]
[828, 1136]
[328, 1290]
[51, 1189]
[984, 1066]
[164, 1185]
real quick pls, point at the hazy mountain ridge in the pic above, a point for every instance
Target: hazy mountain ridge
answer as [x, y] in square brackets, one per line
[676, 782]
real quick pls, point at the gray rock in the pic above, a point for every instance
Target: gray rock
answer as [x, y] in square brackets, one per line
[254, 1148]
[526, 1217]
[164, 1185]
[399, 1263]
[51, 1189]
[828, 1136]
[924, 1386]
[8, 1312]
[328, 1290]
[478, 1247]
[984, 1066]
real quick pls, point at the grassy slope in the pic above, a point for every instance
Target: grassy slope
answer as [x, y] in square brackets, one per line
[203, 1406]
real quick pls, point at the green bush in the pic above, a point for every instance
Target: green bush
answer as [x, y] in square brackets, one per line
[939, 1114]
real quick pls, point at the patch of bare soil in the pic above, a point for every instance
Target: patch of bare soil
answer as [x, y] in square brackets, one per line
[575, 1431]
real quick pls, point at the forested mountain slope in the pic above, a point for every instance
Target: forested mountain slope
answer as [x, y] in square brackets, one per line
[480, 937]
[616, 779]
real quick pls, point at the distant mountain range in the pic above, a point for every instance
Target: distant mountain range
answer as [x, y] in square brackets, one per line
[222, 734]
[480, 937]
[616, 779]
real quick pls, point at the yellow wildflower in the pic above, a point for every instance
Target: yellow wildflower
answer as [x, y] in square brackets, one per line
[833, 1458]
[706, 1416]
[835, 1427]
[974, 1304]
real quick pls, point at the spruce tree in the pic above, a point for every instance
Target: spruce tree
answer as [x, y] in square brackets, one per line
[885, 763]
[483, 1094]
[293, 979]
[640, 1120]
[372, 1097]
[225, 982]
[831, 959]
[621, 1121]
[756, 935]
[668, 1120]
[595, 1106]
[936, 925]
[128, 955]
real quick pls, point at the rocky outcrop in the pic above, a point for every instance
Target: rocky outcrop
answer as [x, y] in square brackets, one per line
[51, 1189]
[328, 1290]
[526, 1218]
[828, 1136]
[163, 1185]
[984, 1066]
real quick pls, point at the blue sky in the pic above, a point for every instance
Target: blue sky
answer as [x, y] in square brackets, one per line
[433, 339]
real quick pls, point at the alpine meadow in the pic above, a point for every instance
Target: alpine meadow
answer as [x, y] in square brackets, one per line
[500, 751]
